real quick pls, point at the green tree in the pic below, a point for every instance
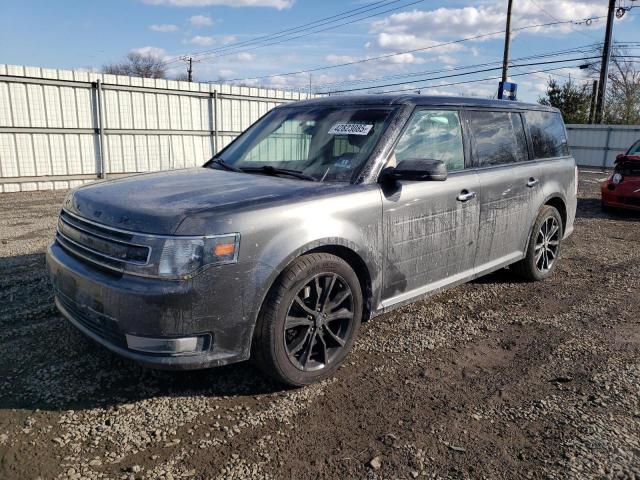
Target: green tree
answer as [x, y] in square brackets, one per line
[571, 99]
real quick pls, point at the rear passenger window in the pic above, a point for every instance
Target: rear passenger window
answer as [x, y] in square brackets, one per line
[433, 135]
[498, 137]
[547, 134]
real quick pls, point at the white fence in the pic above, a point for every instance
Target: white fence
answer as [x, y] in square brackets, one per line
[598, 145]
[61, 128]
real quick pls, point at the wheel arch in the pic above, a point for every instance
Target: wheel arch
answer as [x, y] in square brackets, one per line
[340, 248]
[557, 202]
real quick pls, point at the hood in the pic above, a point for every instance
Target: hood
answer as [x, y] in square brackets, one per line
[158, 202]
[627, 158]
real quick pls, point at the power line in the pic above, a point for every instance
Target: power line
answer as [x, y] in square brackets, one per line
[545, 11]
[271, 37]
[483, 70]
[292, 29]
[389, 55]
[579, 49]
[460, 74]
[421, 87]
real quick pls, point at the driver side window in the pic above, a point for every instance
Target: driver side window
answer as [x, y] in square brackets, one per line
[433, 135]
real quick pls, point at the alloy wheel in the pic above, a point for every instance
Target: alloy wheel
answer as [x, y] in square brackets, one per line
[319, 322]
[547, 244]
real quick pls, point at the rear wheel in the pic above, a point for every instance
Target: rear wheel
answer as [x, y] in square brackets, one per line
[309, 321]
[544, 246]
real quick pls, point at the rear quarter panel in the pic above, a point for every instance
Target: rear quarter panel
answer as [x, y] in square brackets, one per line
[558, 179]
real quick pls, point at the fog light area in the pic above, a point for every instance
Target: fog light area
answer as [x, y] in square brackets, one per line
[169, 346]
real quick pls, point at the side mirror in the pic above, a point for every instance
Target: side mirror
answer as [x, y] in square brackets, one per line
[619, 156]
[418, 169]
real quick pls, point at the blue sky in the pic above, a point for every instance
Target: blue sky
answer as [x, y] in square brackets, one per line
[75, 34]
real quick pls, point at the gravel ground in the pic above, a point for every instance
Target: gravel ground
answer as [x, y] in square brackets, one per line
[492, 379]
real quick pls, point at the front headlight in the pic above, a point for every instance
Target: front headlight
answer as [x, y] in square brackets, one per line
[617, 178]
[184, 257]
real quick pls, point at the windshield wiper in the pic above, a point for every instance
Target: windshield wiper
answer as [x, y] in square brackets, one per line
[270, 170]
[225, 165]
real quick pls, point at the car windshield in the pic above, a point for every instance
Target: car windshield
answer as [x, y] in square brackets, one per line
[324, 143]
[635, 149]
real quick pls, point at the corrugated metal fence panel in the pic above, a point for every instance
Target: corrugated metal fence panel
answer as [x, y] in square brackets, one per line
[598, 145]
[50, 124]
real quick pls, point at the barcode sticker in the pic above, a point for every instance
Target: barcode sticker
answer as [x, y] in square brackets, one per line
[350, 129]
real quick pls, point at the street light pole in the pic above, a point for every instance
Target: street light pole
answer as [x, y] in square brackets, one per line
[604, 66]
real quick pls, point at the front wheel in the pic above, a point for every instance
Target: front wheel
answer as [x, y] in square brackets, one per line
[544, 246]
[309, 321]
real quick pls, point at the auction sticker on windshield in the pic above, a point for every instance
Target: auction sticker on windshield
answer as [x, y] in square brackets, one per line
[350, 129]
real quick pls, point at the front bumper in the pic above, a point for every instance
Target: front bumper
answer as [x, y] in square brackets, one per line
[107, 306]
[622, 197]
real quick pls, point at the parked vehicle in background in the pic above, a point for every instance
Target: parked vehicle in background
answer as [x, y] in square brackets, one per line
[322, 214]
[621, 190]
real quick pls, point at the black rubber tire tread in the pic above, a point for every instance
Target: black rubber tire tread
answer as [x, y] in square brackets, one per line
[263, 346]
[526, 268]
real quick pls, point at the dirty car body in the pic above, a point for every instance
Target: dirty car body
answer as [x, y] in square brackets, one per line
[113, 263]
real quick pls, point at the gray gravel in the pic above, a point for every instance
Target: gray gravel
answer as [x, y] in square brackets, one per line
[493, 379]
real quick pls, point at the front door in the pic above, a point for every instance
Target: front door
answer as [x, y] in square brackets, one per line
[510, 188]
[430, 226]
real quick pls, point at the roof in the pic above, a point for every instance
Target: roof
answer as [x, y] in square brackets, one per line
[419, 100]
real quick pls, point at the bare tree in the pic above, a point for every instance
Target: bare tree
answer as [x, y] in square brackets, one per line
[138, 65]
[622, 105]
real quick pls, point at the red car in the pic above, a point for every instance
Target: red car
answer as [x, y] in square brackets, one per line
[622, 188]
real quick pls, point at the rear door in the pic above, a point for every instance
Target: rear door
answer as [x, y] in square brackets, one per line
[510, 192]
[430, 227]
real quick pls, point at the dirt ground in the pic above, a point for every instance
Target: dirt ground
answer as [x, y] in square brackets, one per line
[493, 379]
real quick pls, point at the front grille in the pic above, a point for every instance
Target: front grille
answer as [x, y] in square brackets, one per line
[99, 244]
[97, 323]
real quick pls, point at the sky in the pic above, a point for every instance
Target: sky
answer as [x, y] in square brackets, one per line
[227, 40]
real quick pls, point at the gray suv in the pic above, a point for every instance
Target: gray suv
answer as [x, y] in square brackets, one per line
[322, 214]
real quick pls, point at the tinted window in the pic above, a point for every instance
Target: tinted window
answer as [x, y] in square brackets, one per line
[433, 135]
[547, 134]
[498, 137]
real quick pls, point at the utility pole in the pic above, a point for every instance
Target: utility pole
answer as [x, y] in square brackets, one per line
[190, 70]
[507, 40]
[594, 97]
[309, 84]
[604, 66]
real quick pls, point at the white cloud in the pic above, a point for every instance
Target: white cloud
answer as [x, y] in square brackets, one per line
[164, 27]
[279, 4]
[339, 59]
[421, 28]
[155, 51]
[202, 40]
[201, 21]
[246, 57]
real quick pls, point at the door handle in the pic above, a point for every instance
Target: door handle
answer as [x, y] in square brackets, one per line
[465, 196]
[532, 182]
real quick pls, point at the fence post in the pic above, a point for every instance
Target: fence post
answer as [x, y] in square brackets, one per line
[215, 120]
[606, 148]
[100, 124]
[212, 133]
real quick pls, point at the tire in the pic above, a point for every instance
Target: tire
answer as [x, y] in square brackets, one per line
[315, 342]
[542, 257]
